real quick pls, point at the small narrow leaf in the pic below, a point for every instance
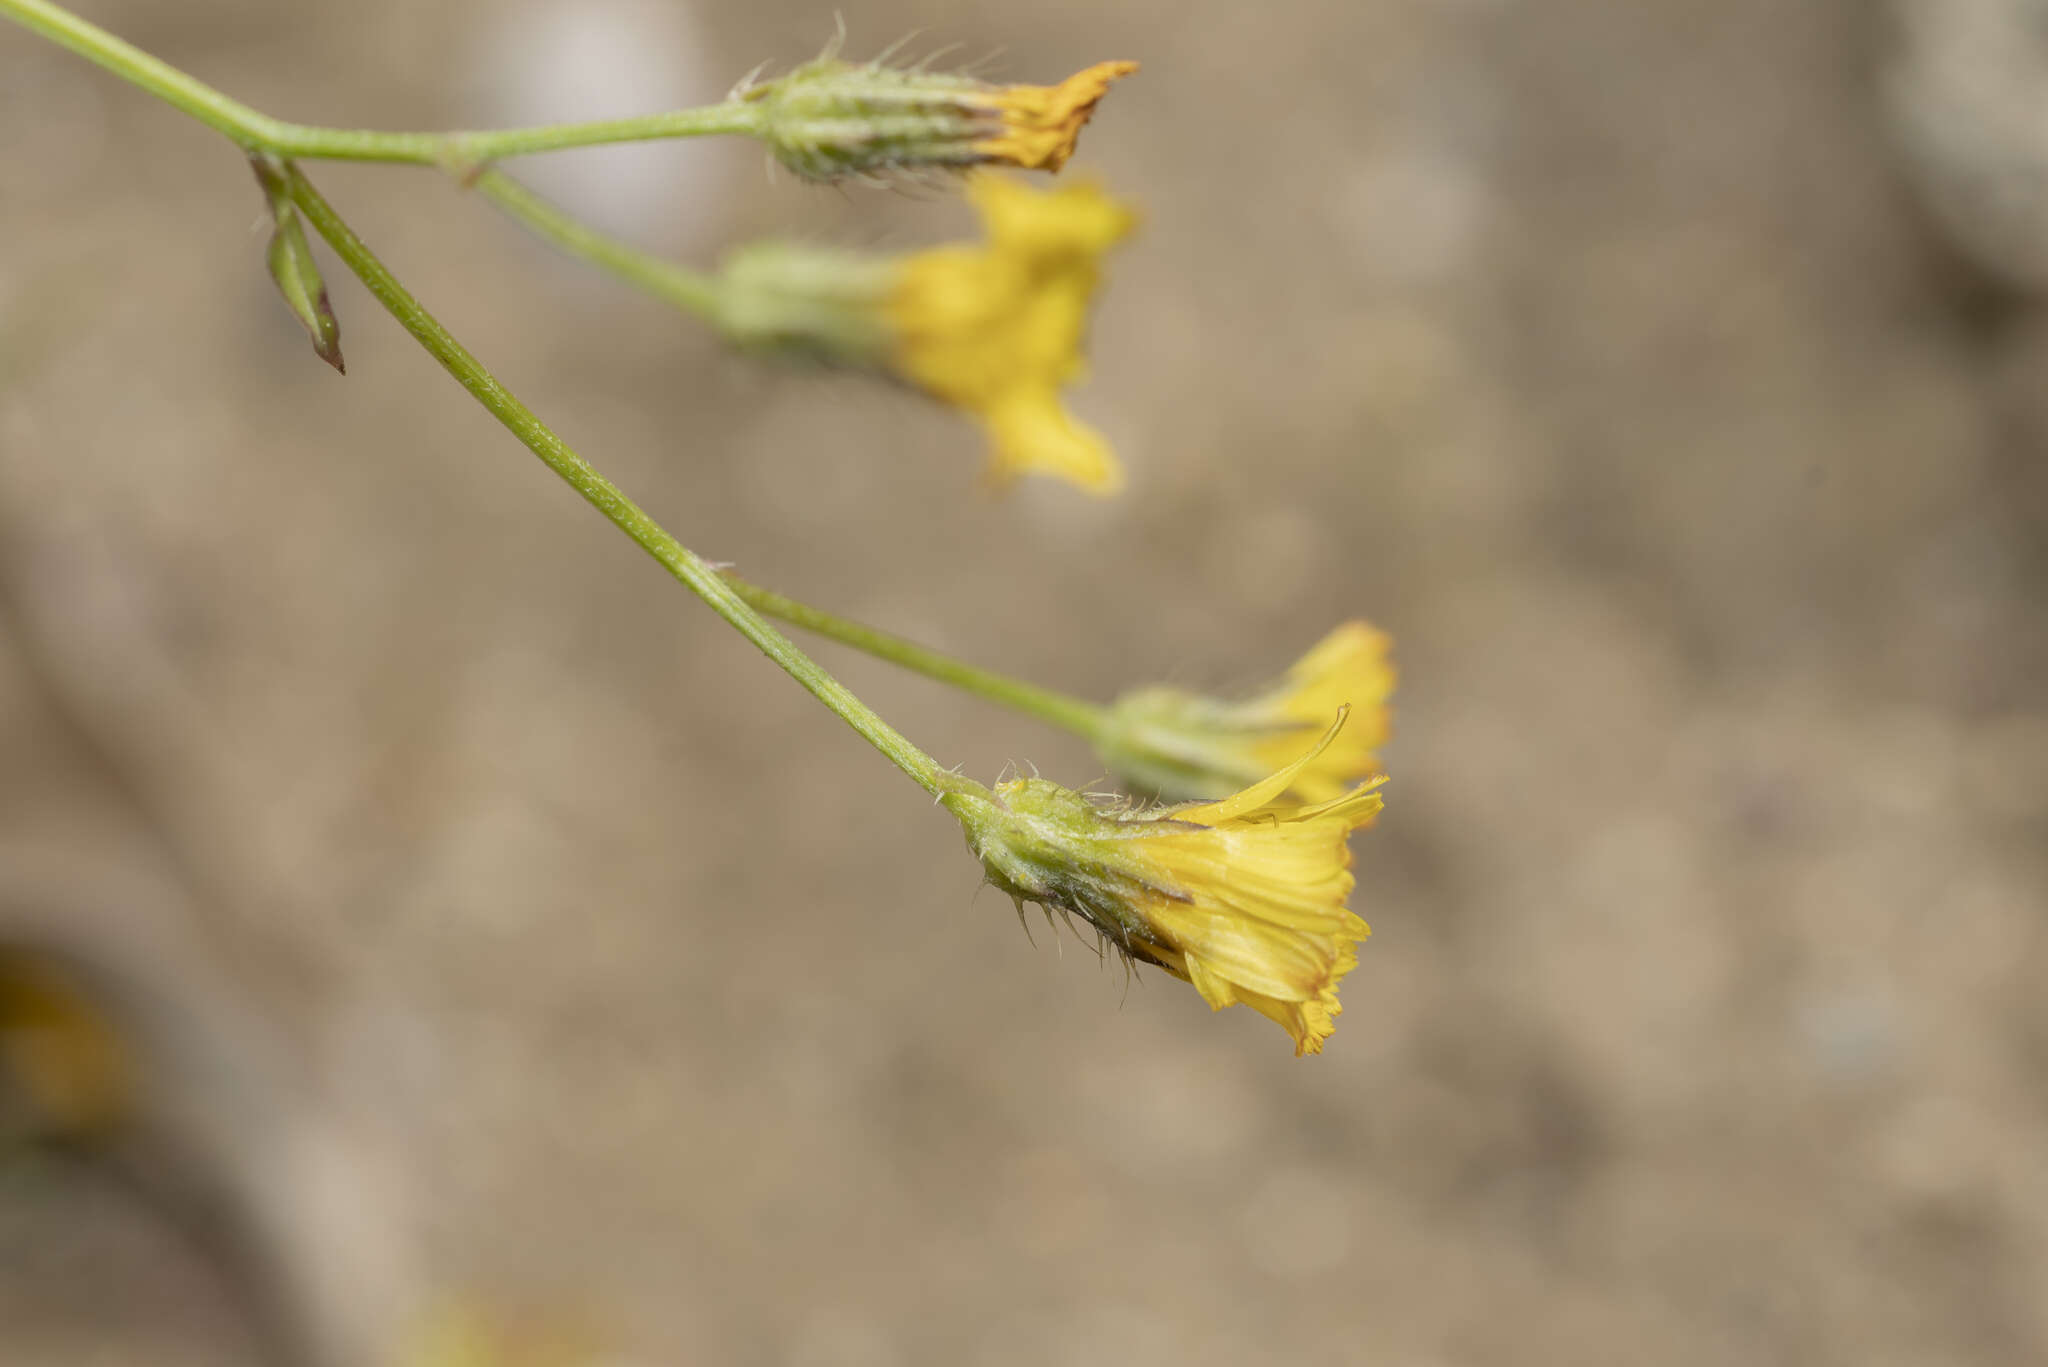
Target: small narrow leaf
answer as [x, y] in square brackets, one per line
[293, 268]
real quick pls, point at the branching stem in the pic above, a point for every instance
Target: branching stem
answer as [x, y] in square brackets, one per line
[1085, 719]
[605, 496]
[261, 135]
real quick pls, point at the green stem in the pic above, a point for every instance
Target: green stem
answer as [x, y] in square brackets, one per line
[1078, 715]
[689, 290]
[463, 150]
[606, 497]
[255, 131]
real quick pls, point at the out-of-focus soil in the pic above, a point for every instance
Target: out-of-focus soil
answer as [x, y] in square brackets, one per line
[1596, 349]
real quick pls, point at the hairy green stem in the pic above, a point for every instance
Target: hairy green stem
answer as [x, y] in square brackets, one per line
[461, 152]
[606, 497]
[1084, 718]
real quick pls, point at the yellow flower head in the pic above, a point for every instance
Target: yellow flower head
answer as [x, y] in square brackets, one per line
[996, 329]
[1177, 744]
[830, 118]
[1244, 898]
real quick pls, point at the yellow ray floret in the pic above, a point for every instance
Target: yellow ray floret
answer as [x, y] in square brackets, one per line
[1178, 744]
[996, 328]
[1041, 123]
[1243, 897]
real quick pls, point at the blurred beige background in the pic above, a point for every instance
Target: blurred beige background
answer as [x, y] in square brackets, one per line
[496, 925]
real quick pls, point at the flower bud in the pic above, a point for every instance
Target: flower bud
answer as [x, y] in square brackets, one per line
[293, 269]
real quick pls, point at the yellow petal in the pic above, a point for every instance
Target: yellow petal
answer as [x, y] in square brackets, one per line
[1262, 793]
[1034, 434]
[1283, 964]
[996, 330]
[1079, 220]
[1215, 989]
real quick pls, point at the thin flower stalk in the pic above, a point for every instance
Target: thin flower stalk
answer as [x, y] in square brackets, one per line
[1173, 743]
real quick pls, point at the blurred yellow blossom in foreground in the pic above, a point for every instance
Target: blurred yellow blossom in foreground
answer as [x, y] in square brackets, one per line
[996, 329]
[1244, 898]
[993, 328]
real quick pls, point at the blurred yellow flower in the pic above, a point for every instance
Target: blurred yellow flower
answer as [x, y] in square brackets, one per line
[1176, 744]
[1244, 898]
[996, 329]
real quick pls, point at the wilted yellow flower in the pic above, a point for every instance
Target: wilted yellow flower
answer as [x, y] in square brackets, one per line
[1178, 744]
[1244, 898]
[1041, 123]
[830, 118]
[993, 328]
